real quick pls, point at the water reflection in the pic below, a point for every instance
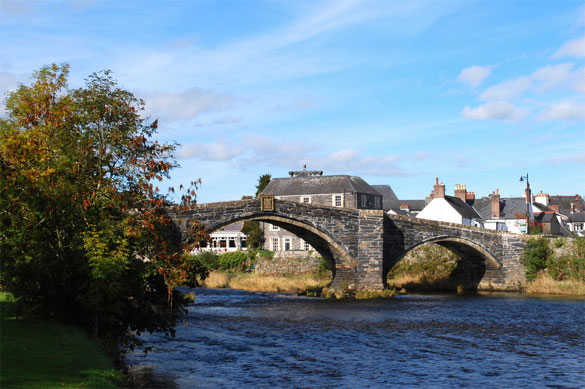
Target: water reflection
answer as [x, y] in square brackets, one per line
[234, 339]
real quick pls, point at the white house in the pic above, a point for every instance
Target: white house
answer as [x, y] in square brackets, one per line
[450, 209]
[229, 238]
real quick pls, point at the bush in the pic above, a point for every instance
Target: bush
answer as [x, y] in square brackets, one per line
[231, 260]
[535, 257]
[209, 259]
[570, 266]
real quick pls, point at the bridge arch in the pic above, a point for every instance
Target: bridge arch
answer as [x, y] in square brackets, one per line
[475, 260]
[320, 239]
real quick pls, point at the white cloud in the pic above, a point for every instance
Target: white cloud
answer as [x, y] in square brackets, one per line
[559, 76]
[573, 48]
[566, 110]
[217, 151]
[187, 104]
[261, 151]
[507, 89]
[474, 75]
[502, 110]
[573, 158]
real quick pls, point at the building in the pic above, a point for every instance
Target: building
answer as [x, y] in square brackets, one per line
[451, 209]
[229, 238]
[576, 223]
[312, 187]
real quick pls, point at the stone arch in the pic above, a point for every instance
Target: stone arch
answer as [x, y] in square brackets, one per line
[476, 260]
[321, 240]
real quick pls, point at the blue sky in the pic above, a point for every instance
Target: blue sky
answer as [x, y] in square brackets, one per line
[473, 92]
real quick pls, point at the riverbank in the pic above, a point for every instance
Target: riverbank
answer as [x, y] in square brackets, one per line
[303, 283]
[39, 353]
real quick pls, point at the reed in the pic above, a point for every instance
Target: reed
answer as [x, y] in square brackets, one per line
[255, 282]
[545, 284]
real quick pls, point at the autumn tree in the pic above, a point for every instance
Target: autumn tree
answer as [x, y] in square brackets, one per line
[84, 233]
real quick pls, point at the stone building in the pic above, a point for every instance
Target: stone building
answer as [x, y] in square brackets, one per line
[312, 187]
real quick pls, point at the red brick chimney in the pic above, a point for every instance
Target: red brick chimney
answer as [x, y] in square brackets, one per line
[460, 192]
[577, 203]
[438, 190]
[405, 207]
[470, 197]
[496, 204]
[572, 208]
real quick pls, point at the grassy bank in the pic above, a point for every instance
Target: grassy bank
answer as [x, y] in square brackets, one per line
[313, 284]
[45, 354]
[254, 282]
[545, 284]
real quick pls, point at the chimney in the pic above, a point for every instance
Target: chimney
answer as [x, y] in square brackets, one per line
[577, 203]
[470, 197]
[572, 208]
[528, 194]
[496, 204]
[542, 198]
[405, 207]
[438, 190]
[460, 192]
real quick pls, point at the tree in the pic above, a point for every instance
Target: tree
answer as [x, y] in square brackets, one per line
[254, 234]
[84, 233]
[262, 182]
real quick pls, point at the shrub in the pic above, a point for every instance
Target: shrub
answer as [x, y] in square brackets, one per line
[231, 260]
[209, 259]
[535, 257]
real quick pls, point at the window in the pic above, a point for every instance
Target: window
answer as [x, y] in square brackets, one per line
[377, 202]
[274, 244]
[287, 244]
[305, 246]
[305, 199]
[274, 228]
[337, 200]
[364, 201]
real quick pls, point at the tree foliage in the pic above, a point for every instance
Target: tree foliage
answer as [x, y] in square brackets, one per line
[262, 182]
[84, 233]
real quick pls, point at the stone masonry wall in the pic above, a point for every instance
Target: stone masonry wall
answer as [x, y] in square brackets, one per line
[288, 263]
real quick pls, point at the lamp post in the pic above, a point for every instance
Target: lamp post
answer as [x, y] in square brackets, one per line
[528, 200]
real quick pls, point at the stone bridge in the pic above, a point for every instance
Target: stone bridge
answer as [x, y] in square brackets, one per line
[363, 245]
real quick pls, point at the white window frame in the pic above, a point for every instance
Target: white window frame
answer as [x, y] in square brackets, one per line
[274, 244]
[305, 246]
[334, 200]
[274, 228]
[306, 199]
[287, 240]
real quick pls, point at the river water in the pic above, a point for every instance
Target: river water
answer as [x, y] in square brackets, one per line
[234, 339]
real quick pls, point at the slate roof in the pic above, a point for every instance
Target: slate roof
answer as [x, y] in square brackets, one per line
[544, 217]
[308, 185]
[510, 208]
[413, 205]
[462, 207]
[577, 217]
[564, 203]
[402, 212]
[233, 227]
[387, 193]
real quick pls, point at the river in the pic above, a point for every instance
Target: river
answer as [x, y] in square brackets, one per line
[235, 339]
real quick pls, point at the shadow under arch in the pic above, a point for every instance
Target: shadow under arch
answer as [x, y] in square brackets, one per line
[474, 262]
[322, 242]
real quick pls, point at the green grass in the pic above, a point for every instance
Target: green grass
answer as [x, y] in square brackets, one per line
[45, 354]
